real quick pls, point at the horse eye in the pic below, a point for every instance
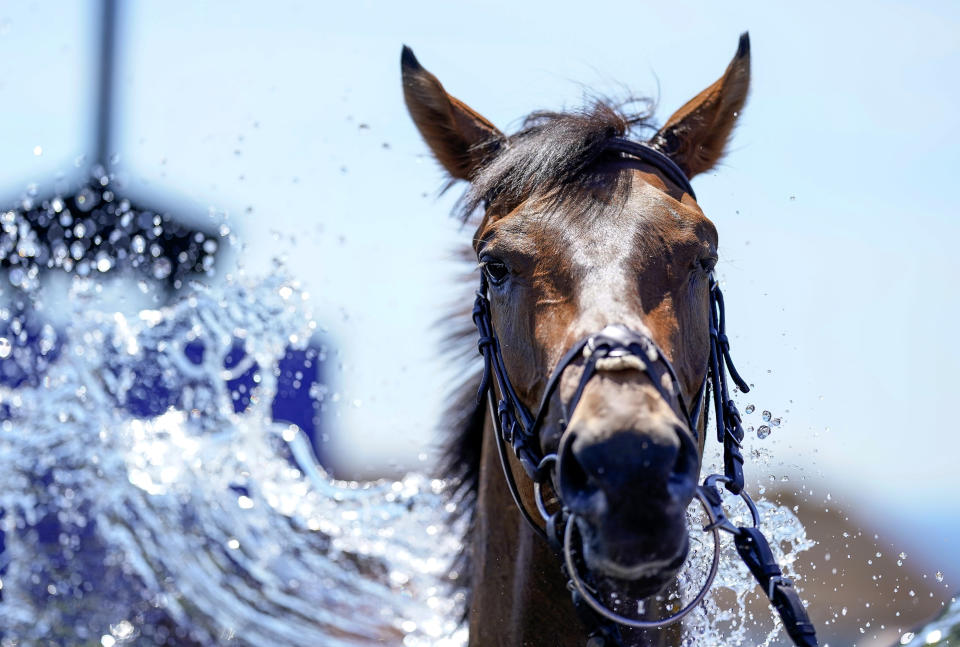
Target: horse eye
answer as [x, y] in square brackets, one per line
[708, 263]
[496, 271]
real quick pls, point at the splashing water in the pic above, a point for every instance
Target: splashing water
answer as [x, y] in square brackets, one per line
[198, 524]
[736, 612]
[942, 632]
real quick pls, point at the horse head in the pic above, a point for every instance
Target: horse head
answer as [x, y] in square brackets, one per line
[575, 237]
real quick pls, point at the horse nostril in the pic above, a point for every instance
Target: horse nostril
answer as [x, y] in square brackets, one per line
[572, 479]
[682, 465]
[683, 478]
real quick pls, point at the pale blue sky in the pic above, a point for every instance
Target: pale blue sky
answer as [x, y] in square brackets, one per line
[835, 207]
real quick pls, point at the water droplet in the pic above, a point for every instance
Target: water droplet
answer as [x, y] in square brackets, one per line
[775, 422]
[766, 416]
[939, 576]
[86, 199]
[763, 431]
[750, 408]
[162, 267]
[122, 630]
[17, 277]
[903, 555]
[5, 348]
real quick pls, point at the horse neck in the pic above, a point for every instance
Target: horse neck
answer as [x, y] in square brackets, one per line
[519, 597]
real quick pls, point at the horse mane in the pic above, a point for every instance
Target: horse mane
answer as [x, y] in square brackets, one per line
[555, 154]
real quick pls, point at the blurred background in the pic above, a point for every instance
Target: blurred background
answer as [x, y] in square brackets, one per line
[278, 132]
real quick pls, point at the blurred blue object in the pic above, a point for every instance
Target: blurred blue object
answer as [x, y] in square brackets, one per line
[35, 345]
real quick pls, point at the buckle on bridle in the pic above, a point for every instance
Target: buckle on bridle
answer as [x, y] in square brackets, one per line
[775, 580]
[507, 423]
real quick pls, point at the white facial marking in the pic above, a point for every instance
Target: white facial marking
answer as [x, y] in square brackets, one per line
[604, 261]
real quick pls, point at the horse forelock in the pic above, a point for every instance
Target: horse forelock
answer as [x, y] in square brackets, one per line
[554, 154]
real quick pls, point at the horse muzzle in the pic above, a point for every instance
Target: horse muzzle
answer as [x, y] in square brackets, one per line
[627, 469]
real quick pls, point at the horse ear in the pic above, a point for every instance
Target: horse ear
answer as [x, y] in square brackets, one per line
[696, 135]
[460, 138]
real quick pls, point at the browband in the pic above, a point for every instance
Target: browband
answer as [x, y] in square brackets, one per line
[649, 154]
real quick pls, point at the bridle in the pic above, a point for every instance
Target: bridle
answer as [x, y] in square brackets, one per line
[516, 426]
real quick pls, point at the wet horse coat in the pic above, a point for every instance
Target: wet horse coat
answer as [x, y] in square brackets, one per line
[573, 236]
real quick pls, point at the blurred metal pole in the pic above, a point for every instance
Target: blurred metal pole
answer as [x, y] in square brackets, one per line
[103, 126]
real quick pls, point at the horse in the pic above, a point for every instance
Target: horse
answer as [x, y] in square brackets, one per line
[580, 229]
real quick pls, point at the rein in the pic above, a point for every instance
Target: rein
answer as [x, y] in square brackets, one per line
[515, 426]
